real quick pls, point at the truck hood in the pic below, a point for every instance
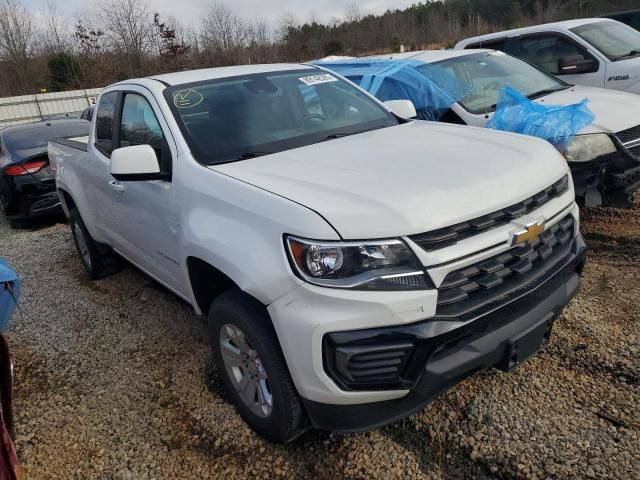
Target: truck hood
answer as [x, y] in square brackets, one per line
[407, 179]
[614, 110]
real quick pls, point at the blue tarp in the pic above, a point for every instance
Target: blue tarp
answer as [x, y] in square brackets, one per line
[431, 88]
[9, 293]
[556, 123]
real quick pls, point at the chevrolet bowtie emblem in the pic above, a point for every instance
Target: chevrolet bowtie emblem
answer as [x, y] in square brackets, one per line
[529, 233]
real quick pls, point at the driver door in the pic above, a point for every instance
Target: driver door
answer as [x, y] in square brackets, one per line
[546, 49]
[145, 218]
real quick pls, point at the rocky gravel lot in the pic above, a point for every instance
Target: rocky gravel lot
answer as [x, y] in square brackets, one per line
[114, 381]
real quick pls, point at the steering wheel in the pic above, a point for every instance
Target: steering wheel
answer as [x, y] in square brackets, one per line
[309, 117]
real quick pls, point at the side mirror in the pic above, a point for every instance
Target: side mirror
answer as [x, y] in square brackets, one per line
[135, 163]
[402, 108]
[572, 64]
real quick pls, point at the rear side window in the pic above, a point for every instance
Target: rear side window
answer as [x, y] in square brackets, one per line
[491, 44]
[104, 122]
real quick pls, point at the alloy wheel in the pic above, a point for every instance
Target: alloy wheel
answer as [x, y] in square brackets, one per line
[246, 371]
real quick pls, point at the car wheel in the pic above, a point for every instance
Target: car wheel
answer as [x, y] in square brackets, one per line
[249, 361]
[97, 259]
[19, 224]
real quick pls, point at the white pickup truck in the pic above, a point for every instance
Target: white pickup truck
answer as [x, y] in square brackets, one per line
[352, 264]
[595, 52]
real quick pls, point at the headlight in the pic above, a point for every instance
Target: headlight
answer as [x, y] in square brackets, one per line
[584, 148]
[375, 265]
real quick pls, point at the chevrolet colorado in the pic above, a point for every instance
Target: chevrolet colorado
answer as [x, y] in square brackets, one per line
[352, 264]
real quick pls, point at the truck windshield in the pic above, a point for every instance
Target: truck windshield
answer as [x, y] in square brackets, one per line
[242, 117]
[614, 40]
[488, 72]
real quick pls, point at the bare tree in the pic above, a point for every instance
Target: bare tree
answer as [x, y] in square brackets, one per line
[222, 30]
[129, 29]
[17, 35]
[353, 13]
[57, 34]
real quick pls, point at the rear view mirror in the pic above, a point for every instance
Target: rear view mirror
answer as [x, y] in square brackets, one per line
[402, 108]
[135, 163]
[572, 64]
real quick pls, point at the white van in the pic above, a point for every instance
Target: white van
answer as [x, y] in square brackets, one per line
[596, 52]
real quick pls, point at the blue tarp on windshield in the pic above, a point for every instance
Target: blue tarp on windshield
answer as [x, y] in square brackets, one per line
[9, 293]
[431, 89]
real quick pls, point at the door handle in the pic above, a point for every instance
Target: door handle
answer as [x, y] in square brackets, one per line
[118, 187]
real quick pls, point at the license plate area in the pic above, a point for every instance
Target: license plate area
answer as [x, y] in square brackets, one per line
[521, 346]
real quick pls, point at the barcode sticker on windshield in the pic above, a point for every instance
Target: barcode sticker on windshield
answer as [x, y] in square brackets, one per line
[316, 79]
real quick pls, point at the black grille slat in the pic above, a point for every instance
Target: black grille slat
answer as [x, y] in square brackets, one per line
[364, 357]
[629, 135]
[380, 363]
[475, 283]
[450, 235]
[375, 372]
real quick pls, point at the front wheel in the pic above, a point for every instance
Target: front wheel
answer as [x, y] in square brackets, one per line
[252, 367]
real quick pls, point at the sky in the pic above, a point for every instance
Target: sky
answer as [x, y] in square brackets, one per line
[188, 11]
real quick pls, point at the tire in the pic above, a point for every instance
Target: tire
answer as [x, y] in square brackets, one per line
[97, 259]
[285, 419]
[19, 224]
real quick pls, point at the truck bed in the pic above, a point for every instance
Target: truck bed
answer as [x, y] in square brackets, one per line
[78, 143]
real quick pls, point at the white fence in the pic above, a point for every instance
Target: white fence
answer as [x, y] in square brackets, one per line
[30, 108]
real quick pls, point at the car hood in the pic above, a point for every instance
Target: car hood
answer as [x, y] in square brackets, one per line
[407, 179]
[614, 110]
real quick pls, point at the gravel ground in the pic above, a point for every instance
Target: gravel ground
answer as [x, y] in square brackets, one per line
[114, 381]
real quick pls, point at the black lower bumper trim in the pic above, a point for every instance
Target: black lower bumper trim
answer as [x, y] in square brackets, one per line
[456, 355]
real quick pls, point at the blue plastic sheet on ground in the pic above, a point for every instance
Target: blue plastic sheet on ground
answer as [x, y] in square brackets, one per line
[432, 89]
[556, 123]
[9, 293]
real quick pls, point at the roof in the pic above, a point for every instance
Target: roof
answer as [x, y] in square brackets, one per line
[561, 26]
[191, 76]
[432, 56]
[42, 124]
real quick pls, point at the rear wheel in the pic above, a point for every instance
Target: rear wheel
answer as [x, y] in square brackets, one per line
[249, 360]
[97, 260]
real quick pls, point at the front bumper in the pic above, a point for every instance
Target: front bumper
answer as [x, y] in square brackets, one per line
[444, 360]
[612, 178]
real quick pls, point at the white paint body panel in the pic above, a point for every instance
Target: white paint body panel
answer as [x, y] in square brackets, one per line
[614, 110]
[605, 77]
[388, 183]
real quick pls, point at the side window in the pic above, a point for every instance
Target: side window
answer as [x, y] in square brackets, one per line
[139, 125]
[491, 44]
[546, 50]
[104, 122]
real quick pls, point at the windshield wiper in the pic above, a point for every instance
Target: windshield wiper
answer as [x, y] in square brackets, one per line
[630, 54]
[546, 91]
[338, 135]
[252, 154]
